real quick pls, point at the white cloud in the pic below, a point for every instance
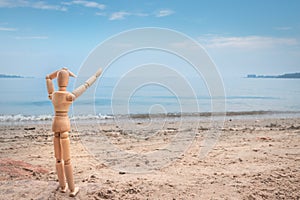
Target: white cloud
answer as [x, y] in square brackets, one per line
[119, 15]
[164, 13]
[7, 29]
[123, 14]
[31, 37]
[24, 3]
[283, 28]
[88, 4]
[44, 6]
[100, 14]
[246, 42]
[13, 3]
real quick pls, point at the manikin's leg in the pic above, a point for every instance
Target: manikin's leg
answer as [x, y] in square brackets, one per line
[59, 165]
[65, 144]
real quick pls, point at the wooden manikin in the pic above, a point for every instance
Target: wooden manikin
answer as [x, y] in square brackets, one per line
[61, 100]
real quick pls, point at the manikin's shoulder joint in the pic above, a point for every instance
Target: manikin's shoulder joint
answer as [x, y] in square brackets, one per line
[71, 97]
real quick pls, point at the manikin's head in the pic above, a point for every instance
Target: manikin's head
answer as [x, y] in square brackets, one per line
[63, 78]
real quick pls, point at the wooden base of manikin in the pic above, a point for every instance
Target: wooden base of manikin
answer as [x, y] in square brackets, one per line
[64, 168]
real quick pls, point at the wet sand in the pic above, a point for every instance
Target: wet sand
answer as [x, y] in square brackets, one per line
[253, 158]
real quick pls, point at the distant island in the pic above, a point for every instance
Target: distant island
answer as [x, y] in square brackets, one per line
[10, 76]
[291, 75]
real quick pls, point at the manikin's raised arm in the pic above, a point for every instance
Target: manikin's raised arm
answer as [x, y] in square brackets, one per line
[81, 89]
[50, 87]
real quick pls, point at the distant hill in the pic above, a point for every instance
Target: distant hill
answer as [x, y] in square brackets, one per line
[290, 75]
[293, 75]
[10, 76]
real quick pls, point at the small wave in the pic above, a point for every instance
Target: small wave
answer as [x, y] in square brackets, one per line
[33, 118]
[40, 118]
[91, 117]
[24, 118]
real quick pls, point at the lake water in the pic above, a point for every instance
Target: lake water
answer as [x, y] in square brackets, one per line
[26, 98]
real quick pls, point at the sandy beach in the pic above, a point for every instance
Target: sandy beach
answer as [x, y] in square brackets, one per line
[253, 158]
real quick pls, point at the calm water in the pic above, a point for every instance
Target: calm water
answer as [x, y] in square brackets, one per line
[26, 99]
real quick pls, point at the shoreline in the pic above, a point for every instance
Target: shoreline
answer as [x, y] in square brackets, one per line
[44, 119]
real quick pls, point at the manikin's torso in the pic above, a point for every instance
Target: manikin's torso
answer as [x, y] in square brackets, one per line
[62, 99]
[61, 122]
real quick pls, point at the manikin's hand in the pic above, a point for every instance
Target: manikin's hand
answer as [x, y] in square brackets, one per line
[98, 72]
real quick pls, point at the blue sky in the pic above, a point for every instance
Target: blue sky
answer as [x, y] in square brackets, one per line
[241, 37]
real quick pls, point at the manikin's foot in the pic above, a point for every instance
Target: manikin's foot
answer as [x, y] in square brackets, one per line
[63, 189]
[75, 192]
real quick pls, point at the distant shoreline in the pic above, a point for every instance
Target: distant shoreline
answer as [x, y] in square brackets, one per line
[14, 76]
[10, 76]
[287, 76]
